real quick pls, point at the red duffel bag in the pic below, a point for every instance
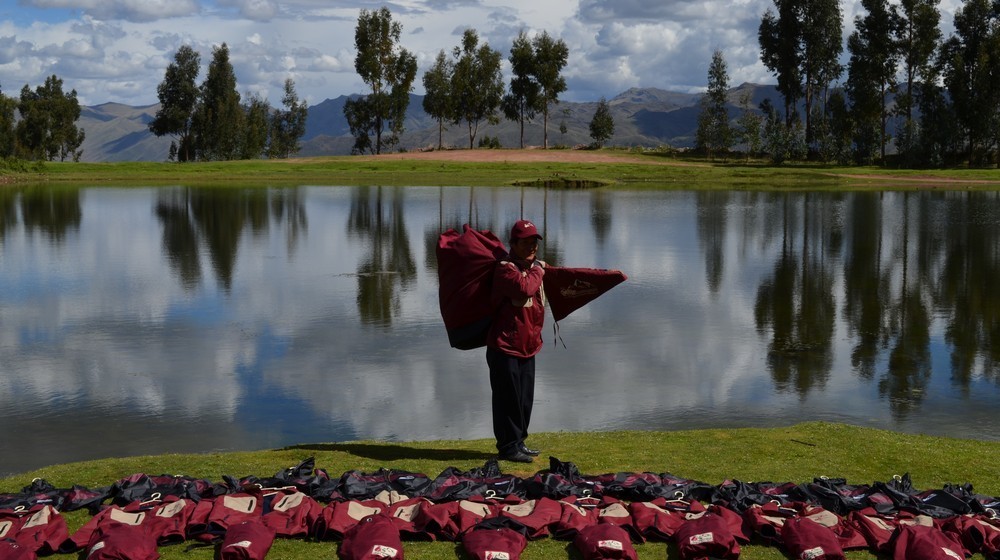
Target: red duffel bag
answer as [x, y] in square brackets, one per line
[466, 263]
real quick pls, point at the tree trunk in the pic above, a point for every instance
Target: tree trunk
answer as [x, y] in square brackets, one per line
[884, 121]
[545, 127]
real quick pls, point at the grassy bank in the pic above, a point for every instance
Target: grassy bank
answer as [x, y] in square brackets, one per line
[507, 167]
[797, 453]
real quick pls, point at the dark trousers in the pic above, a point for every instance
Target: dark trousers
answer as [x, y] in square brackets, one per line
[513, 382]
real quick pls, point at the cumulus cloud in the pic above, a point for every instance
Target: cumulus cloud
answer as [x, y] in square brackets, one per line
[100, 32]
[11, 49]
[614, 45]
[603, 11]
[129, 10]
[257, 10]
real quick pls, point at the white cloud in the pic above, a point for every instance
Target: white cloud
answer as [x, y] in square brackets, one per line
[613, 45]
[129, 10]
[257, 10]
[11, 49]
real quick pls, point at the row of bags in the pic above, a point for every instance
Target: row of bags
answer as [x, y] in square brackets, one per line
[697, 529]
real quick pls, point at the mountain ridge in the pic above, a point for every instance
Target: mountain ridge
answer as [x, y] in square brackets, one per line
[647, 117]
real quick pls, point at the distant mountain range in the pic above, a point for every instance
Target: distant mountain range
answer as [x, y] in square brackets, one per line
[643, 117]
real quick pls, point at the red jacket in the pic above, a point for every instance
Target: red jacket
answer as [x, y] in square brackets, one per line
[517, 325]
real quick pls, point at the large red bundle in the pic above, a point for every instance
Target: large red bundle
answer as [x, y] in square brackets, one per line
[466, 262]
[568, 289]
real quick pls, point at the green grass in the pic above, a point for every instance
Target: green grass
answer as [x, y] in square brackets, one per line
[647, 170]
[797, 453]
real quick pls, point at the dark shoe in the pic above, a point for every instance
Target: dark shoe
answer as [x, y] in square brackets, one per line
[517, 456]
[529, 451]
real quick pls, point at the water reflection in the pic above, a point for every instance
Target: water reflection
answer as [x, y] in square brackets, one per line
[51, 212]
[380, 225]
[712, 207]
[969, 274]
[601, 213]
[196, 319]
[215, 218]
[8, 211]
[795, 305]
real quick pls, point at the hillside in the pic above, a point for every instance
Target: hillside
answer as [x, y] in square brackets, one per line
[643, 117]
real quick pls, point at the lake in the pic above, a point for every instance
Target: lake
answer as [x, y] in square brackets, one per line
[153, 320]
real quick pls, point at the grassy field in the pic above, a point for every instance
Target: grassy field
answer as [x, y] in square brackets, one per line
[506, 167]
[797, 453]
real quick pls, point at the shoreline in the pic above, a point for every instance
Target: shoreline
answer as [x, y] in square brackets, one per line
[505, 167]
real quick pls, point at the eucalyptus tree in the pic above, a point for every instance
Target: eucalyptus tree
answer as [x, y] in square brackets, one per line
[389, 70]
[602, 126]
[256, 129]
[971, 69]
[781, 141]
[871, 75]
[437, 93]
[8, 139]
[801, 44]
[840, 128]
[476, 83]
[360, 115]
[749, 126]
[940, 140]
[523, 97]
[714, 133]
[778, 37]
[47, 127]
[549, 59]
[178, 94]
[822, 43]
[219, 118]
[917, 37]
[288, 125]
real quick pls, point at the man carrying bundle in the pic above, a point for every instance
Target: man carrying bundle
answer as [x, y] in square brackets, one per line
[514, 338]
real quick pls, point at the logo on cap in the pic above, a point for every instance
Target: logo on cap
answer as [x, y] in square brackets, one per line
[523, 229]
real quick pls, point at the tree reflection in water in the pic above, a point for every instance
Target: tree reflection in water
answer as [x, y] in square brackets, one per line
[389, 260]
[797, 301]
[8, 212]
[909, 368]
[929, 249]
[216, 218]
[53, 212]
[712, 209]
[968, 286]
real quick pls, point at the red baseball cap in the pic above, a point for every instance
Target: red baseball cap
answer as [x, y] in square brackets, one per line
[524, 229]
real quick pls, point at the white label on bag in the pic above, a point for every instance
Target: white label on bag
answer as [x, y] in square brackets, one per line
[702, 538]
[952, 553]
[610, 545]
[494, 555]
[382, 551]
[241, 544]
[812, 553]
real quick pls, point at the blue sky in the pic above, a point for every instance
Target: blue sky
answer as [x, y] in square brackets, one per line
[117, 50]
